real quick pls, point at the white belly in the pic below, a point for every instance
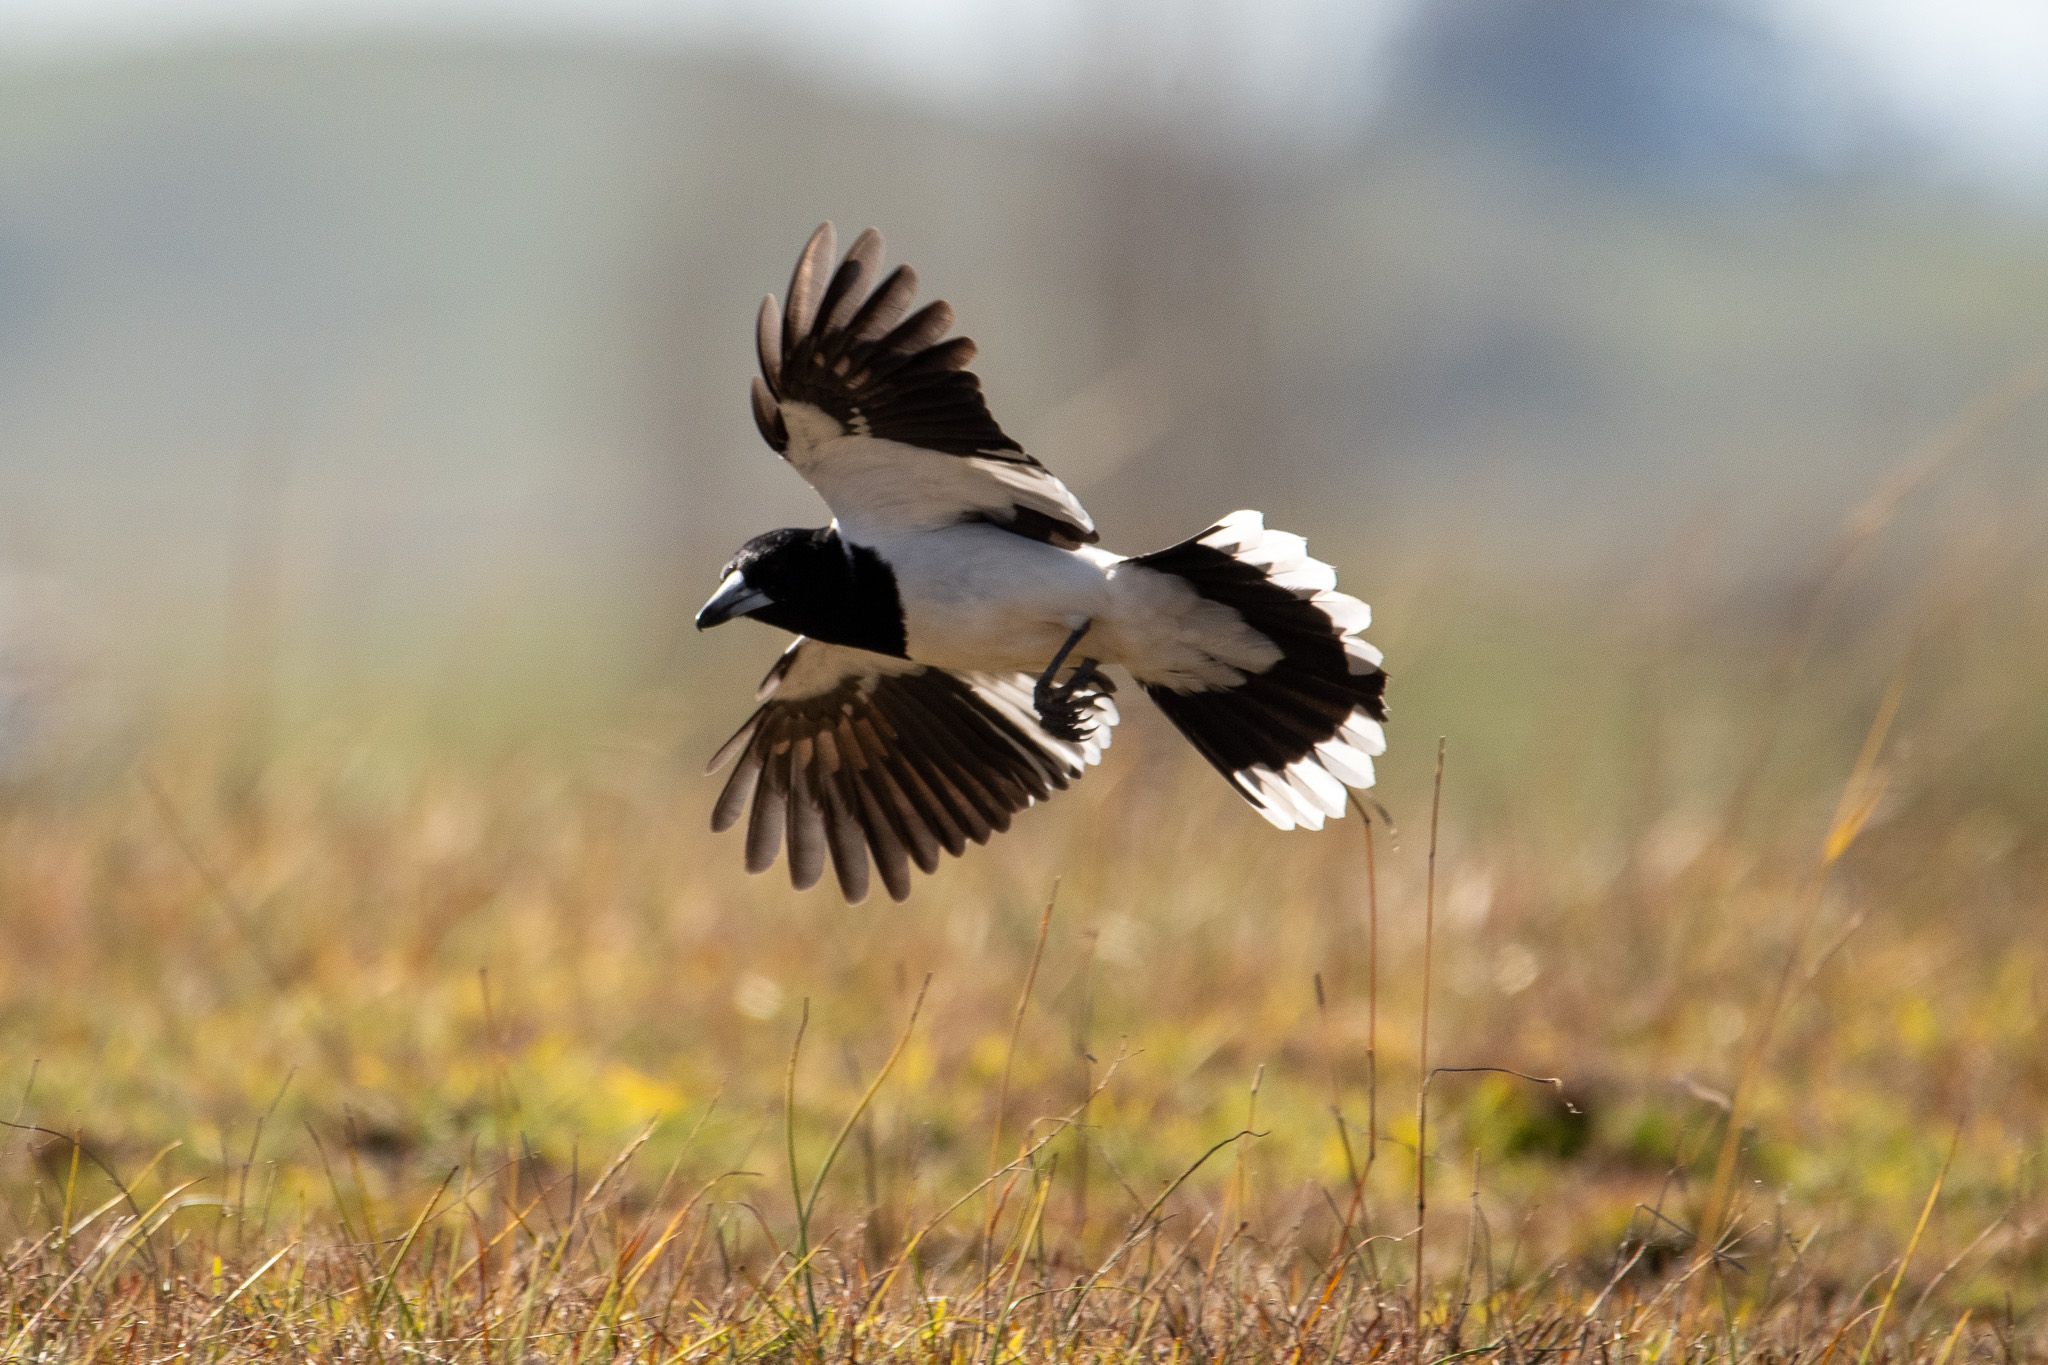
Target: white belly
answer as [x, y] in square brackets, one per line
[980, 598]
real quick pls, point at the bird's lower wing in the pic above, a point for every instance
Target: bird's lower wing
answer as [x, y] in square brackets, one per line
[875, 406]
[856, 757]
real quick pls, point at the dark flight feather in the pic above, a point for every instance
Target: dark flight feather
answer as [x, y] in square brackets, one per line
[855, 349]
[884, 768]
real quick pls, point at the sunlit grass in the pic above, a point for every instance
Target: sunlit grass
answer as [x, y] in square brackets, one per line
[370, 1047]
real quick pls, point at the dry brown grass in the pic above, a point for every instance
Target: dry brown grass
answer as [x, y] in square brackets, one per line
[384, 1048]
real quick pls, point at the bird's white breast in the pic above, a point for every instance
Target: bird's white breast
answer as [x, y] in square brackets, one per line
[978, 597]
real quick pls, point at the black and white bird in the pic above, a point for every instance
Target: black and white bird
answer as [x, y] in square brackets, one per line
[954, 619]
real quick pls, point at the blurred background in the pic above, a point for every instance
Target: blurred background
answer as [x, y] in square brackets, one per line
[348, 343]
[1671, 375]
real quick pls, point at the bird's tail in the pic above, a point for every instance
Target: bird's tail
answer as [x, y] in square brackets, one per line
[1292, 734]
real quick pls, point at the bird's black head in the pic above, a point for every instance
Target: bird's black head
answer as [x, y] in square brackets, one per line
[812, 583]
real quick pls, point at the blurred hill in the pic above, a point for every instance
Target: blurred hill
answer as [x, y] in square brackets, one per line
[355, 340]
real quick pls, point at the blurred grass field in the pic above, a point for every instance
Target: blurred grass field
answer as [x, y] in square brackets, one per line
[386, 1034]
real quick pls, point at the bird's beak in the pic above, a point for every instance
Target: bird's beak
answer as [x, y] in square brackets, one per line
[735, 597]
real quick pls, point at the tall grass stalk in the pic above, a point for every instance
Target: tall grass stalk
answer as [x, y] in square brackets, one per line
[807, 1203]
[1857, 803]
[995, 1137]
[1436, 801]
[1906, 1258]
[1372, 998]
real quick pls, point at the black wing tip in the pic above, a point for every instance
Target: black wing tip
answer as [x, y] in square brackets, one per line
[844, 345]
[768, 419]
[800, 308]
[880, 774]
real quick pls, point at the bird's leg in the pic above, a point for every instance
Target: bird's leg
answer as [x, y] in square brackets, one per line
[1065, 710]
[1052, 670]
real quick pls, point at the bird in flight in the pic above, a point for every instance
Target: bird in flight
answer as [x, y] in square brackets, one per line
[954, 619]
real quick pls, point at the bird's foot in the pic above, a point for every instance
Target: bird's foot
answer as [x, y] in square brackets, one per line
[1068, 711]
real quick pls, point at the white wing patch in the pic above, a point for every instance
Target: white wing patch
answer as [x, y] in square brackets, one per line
[878, 488]
[875, 406]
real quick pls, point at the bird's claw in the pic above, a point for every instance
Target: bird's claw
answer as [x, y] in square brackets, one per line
[1067, 712]
[1068, 720]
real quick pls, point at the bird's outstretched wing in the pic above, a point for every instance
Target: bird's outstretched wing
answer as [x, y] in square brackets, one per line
[876, 408]
[857, 755]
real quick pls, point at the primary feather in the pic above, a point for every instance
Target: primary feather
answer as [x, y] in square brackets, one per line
[856, 757]
[875, 406]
